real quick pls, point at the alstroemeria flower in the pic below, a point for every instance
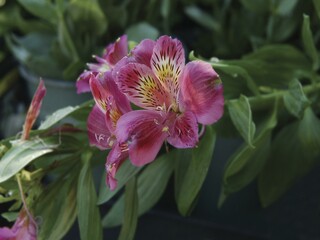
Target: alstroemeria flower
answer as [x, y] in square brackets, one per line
[113, 53]
[111, 104]
[176, 97]
[25, 228]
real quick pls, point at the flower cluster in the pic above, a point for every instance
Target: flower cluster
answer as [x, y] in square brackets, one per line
[172, 99]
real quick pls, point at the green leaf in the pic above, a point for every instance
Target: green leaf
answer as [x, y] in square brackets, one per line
[274, 65]
[59, 214]
[124, 174]
[57, 116]
[10, 216]
[316, 4]
[308, 43]
[22, 153]
[295, 150]
[295, 100]
[87, 17]
[260, 6]
[241, 116]
[202, 18]
[246, 163]
[130, 220]
[40, 8]
[151, 185]
[196, 172]
[88, 212]
[285, 7]
[140, 31]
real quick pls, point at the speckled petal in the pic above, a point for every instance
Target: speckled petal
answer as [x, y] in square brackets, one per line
[167, 63]
[144, 133]
[184, 131]
[142, 88]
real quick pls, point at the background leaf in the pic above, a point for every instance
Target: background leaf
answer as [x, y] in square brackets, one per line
[196, 172]
[130, 220]
[294, 152]
[241, 116]
[295, 100]
[151, 185]
[308, 43]
[63, 207]
[88, 212]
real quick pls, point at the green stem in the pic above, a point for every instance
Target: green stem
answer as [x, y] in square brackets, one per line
[266, 100]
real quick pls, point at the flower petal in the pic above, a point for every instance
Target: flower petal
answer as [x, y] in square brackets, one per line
[6, 233]
[117, 50]
[144, 132]
[108, 97]
[202, 92]
[34, 110]
[184, 131]
[167, 63]
[83, 80]
[142, 88]
[143, 51]
[114, 160]
[98, 132]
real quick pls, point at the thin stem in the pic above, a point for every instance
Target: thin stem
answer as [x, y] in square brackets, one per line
[265, 100]
[23, 198]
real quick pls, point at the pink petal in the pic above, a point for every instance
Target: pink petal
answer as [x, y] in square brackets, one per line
[117, 50]
[34, 110]
[24, 228]
[167, 63]
[144, 131]
[202, 92]
[98, 132]
[82, 83]
[184, 131]
[141, 86]
[114, 160]
[6, 234]
[143, 51]
[108, 97]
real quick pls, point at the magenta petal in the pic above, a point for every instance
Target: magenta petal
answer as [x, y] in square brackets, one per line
[82, 83]
[202, 92]
[142, 88]
[143, 51]
[98, 133]
[117, 50]
[167, 63]
[114, 160]
[144, 132]
[184, 131]
[6, 233]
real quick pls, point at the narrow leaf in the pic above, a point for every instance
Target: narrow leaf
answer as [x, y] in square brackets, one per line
[196, 172]
[308, 43]
[124, 174]
[151, 185]
[295, 100]
[295, 150]
[63, 207]
[130, 212]
[241, 116]
[88, 212]
[22, 153]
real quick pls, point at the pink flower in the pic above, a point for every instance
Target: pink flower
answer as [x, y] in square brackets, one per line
[175, 98]
[25, 228]
[111, 104]
[113, 53]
